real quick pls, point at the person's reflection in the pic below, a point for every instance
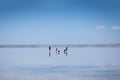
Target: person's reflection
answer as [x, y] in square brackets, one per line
[49, 54]
[66, 53]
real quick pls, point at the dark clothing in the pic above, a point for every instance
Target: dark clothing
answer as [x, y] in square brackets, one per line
[49, 48]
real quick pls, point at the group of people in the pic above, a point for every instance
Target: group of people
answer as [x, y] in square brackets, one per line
[58, 51]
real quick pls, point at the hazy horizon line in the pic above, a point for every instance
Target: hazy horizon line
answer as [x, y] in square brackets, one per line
[57, 45]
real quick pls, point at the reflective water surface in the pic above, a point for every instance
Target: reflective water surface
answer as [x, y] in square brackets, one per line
[79, 64]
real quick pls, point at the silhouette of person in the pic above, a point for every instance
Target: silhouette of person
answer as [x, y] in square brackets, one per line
[49, 50]
[66, 48]
[56, 50]
[65, 51]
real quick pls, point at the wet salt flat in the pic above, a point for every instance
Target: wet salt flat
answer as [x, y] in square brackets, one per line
[60, 72]
[80, 64]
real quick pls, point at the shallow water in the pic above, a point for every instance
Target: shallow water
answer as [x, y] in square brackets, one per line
[79, 64]
[60, 72]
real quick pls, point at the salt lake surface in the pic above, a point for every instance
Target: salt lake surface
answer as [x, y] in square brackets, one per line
[80, 64]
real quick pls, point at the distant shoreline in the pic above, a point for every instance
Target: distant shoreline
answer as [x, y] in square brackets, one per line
[62, 45]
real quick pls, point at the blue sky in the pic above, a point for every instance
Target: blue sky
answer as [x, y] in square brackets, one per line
[59, 22]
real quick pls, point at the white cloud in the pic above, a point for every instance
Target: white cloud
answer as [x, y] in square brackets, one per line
[116, 28]
[100, 27]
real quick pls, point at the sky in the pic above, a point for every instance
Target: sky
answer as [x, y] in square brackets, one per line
[60, 22]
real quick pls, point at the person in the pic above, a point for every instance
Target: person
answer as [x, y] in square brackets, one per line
[65, 51]
[49, 51]
[56, 50]
[49, 48]
[66, 48]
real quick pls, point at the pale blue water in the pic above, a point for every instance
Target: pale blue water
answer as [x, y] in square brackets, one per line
[60, 72]
[79, 64]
